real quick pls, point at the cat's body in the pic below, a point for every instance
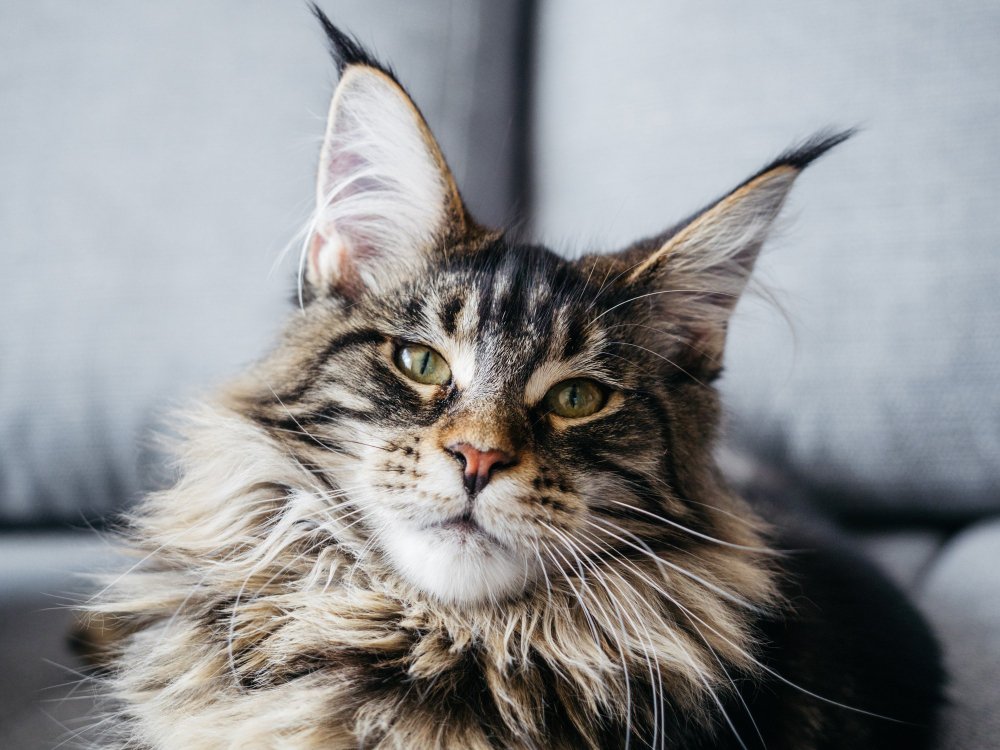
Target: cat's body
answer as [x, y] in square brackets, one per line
[470, 501]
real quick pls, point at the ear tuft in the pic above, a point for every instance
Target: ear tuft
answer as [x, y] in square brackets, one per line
[345, 49]
[803, 154]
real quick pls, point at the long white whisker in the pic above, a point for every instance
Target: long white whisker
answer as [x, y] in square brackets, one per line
[664, 358]
[756, 661]
[625, 600]
[727, 595]
[692, 532]
[708, 645]
[621, 652]
[662, 291]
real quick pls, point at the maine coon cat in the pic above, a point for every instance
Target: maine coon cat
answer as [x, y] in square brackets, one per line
[470, 501]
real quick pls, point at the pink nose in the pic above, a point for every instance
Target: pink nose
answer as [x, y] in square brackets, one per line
[478, 465]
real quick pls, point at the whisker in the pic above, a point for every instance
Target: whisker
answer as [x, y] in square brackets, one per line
[621, 652]
[753, 659]
[580, 558]
[708, 645]
[727, 595]
[663, 291]
[606, 283]
[692, 532]
[664, 358]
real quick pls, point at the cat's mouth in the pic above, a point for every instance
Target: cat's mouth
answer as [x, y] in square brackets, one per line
[466, 527]
[457, 559]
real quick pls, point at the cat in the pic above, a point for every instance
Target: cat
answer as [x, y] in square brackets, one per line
[470, 501]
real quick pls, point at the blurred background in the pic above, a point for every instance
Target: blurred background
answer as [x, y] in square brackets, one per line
[157, 159]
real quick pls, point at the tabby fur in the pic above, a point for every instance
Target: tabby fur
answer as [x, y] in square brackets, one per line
[619, 595]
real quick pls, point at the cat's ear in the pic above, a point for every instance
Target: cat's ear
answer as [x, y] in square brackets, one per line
[384, 195]
[693, 275]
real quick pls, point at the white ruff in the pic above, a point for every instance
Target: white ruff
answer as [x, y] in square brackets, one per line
[455, 567]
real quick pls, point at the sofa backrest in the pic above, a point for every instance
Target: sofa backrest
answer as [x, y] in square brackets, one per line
[141, 141]
[155, 158]
[876, 381]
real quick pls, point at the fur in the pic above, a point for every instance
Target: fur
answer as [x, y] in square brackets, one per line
[304, 584]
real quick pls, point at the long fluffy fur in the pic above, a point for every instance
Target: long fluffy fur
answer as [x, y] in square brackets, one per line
[259, 576]
[294, 588]
[259, 582]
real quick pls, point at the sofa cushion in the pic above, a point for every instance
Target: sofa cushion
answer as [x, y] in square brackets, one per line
[874, 378]
[961, 596]
[156, 159]
[43, 702]
[905, 555]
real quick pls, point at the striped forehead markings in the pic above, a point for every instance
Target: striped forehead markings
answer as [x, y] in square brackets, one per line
[511, 314]
[449, 314]
[573, 337]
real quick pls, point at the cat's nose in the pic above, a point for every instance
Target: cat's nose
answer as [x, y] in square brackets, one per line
[479, 465]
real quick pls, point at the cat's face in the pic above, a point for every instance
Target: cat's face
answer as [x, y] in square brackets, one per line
[493, 409]
[485, 414]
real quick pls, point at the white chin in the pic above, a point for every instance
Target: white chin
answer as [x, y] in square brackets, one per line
[455, 567]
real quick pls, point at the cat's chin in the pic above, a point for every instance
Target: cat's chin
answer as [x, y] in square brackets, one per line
[457, 565]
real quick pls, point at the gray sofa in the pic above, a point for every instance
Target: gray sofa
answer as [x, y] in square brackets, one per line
[156, 159]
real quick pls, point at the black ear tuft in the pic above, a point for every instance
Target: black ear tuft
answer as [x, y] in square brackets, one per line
[346, 49]
[802, 155]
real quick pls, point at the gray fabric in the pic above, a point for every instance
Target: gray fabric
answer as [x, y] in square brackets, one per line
[961, 596]
[881, 387]
[155, 158]
[903, 554]
[42, 703]
[42, 706]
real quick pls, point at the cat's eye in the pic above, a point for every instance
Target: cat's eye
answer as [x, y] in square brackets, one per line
[576, 398]
[423, 364]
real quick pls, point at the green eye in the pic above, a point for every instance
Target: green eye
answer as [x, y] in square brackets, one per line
[576, 398]
[423, 364]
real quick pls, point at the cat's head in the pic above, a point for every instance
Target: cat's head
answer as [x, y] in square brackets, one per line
[485, 414]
